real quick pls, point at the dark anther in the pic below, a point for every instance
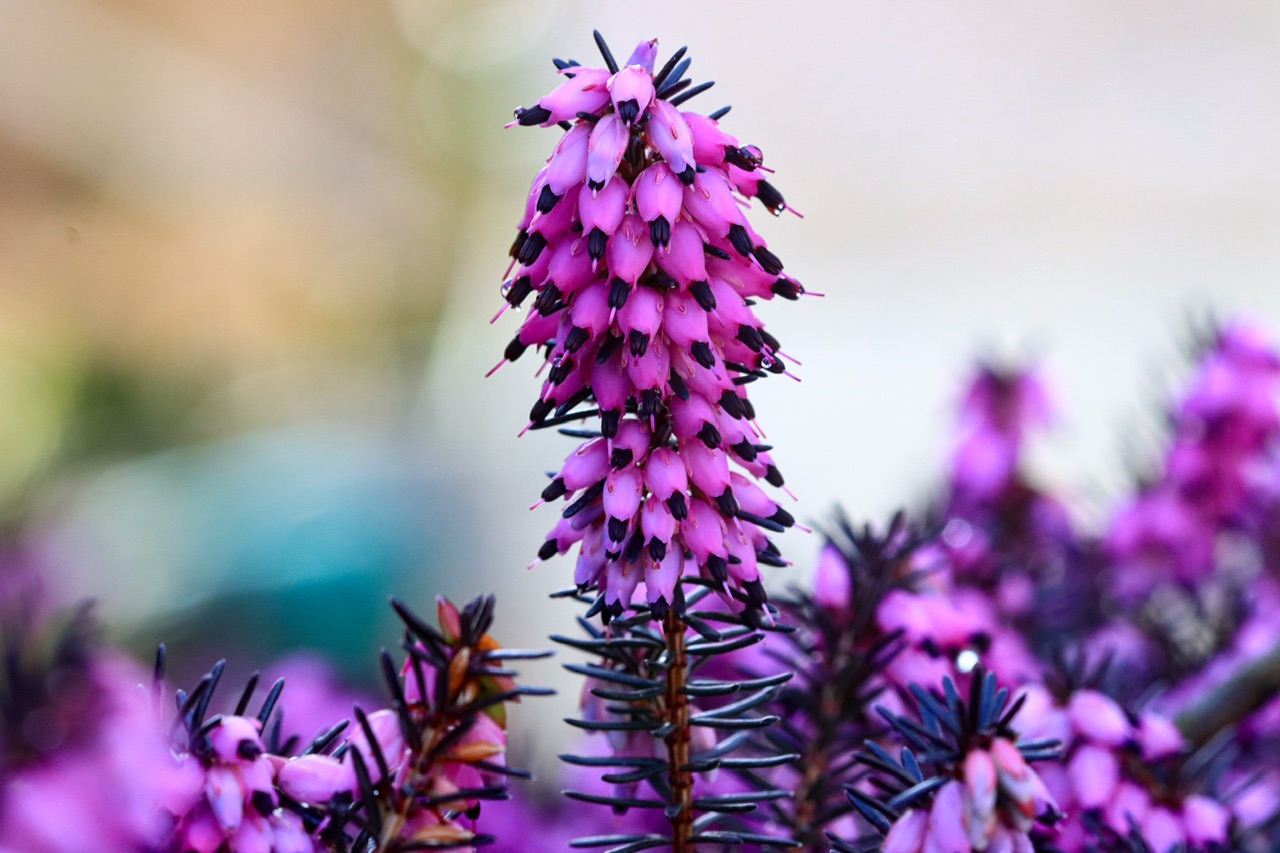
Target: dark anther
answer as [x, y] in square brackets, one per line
[609, 61]
[515, 349]
[733, 404]
[770, 341]
[657, 549]
[555, 489]
[741, 157]
[608, 348]
[262, 803]
[701, 291]
[530, 116]
[686, 177]
[715, 251]
[748, 409]
[575, 339]
[617, 529]
[638, 341]
[518, 243]
[678, 386]
[531, 248]
[659, 609]
[548, 550]
[787, 289]
[596, 186]
[660, 281]
[561, 371]
[728, 503]
[596, 242]
[589, 118]
[783, 517]
[740, 239]
[678, 505]
[745, 450]
[564, 125]
[770, 197]
[628, 111]
[750, 336]
[619, 290]
[248, 750]
[621, 457]
[520, 290]
[710, 435]
[768, 260]
[756, 597]
[662, 433]
[773, 476]
[547, 200]
[650, 400]
[660, 231]
[702, 353]
[609, 423]
[773, 365]
[634, 544]
[540, 410]
[548, 301]
[718, 568]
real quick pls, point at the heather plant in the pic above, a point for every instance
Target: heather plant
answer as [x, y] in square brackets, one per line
[644, 270]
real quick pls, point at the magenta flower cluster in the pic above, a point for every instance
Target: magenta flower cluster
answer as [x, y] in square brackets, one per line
[643, 269]
[93, 760]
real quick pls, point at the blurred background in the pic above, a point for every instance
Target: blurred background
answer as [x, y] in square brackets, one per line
[248, 254]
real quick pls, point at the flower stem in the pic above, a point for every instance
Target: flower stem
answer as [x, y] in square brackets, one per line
[1251, 687]
[677, 706]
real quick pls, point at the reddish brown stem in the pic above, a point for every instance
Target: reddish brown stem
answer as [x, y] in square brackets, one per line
[677, 708]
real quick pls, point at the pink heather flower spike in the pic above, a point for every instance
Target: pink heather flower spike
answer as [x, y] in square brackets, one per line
[644, 268]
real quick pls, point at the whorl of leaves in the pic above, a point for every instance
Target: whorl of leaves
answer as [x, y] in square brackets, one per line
[458, 674]
[836, 654]
[948, 727]
[629, 677]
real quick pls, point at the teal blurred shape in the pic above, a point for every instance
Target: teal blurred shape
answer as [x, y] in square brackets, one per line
[261, 544]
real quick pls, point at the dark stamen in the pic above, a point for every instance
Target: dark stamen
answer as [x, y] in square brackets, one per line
[701, 291]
